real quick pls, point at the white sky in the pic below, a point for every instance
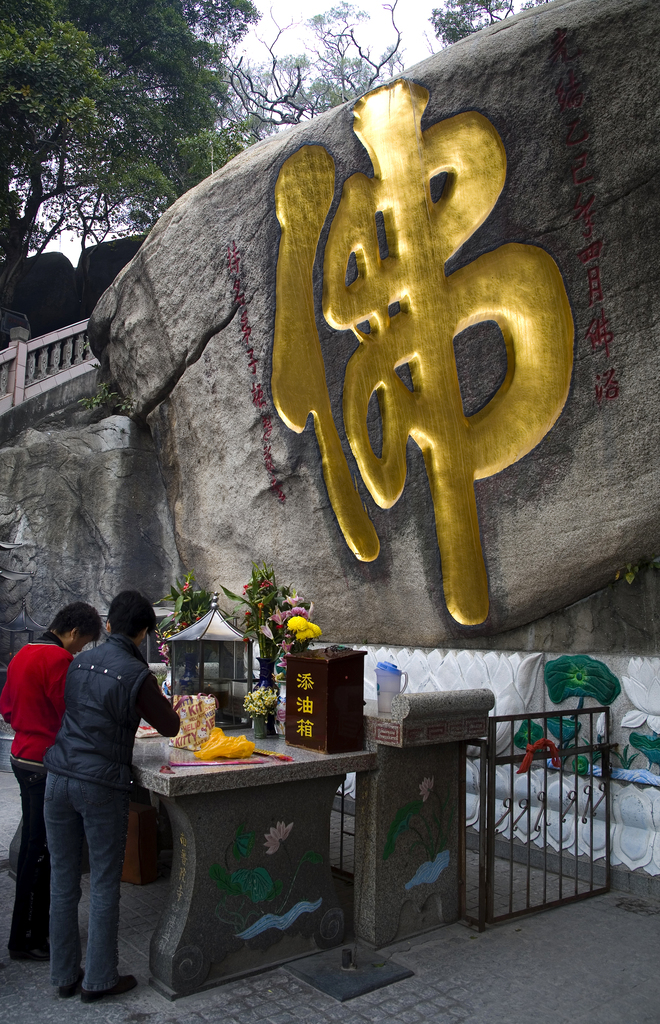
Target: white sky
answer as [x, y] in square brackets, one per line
[412, 17]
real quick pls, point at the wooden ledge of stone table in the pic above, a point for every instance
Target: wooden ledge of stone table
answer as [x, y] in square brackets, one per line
[420, 719]
[150, 755]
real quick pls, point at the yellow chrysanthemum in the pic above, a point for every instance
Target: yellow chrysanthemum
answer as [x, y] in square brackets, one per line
[303, 629]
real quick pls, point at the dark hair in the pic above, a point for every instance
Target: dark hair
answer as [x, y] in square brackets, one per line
[79, 616]
[130, 612]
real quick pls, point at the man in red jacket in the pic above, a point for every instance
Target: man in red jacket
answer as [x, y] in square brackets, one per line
[32, 701]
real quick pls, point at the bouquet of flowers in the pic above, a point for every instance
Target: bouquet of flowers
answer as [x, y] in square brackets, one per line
[261, 701]
[276, 617]
[189, 606]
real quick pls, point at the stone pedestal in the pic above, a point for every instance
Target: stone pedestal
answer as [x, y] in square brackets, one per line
[408, 813]
[251, 884]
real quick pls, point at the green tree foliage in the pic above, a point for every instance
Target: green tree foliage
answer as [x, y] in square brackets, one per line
[107, 108]
[161, 63]
[459, 18]
[48, 124]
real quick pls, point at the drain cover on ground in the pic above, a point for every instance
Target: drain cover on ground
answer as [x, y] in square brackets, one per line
[323, 971]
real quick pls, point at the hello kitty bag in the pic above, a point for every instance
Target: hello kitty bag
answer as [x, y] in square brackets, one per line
[197, 714]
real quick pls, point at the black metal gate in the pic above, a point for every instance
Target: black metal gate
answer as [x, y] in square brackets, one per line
[537, 825]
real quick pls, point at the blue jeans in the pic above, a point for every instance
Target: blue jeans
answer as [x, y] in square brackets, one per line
[73, 808]
[29, 925]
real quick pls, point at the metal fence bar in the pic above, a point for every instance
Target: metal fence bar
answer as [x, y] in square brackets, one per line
[483, 803]
[529, 828]
[341, 826]
[591, 817]
[605, 787]
[512, 783]
[343, 831]
[490, 818]
[462, 867]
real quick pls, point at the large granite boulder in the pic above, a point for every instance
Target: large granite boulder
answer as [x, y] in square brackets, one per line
[504, 199]
[47, 294]
[99, 265]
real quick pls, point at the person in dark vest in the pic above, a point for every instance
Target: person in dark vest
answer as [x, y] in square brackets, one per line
[88, 788]
[32, 701]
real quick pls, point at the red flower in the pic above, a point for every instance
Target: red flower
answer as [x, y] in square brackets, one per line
[186, 586]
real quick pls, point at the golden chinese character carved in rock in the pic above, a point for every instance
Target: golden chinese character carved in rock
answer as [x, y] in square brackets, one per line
[414, 310]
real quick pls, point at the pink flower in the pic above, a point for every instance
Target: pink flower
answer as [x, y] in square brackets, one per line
[425, 788]
[279, 618]
[287, 647]
[267, 631]
[299, 611]
[276, 836]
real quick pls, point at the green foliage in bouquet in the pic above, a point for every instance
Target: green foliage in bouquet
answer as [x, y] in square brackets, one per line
[276, 617]
[189, 606]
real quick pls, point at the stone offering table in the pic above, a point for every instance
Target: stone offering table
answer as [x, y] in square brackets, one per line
[407, 811]
[251, 884]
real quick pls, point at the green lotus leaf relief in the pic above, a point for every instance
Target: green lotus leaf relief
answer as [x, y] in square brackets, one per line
[528, 734]
[243, 843]
[224, 880]
[648, 745]
[563, 726]
[582, 765]
[400, 824]
[578, 675]
[257, 884]
[311, 858]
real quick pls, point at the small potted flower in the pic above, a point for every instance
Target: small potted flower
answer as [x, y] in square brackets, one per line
[259, 704]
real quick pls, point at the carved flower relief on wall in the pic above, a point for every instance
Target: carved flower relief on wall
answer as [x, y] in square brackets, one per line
[642, 686]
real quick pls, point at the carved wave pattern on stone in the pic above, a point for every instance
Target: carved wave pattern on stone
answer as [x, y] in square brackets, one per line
[280, 921]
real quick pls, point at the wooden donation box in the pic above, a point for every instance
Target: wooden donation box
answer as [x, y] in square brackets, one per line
[325, 700]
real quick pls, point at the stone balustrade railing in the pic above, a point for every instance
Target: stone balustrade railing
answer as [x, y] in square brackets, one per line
[30, 367]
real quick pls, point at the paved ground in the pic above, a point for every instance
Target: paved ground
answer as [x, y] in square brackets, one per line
[594, 962]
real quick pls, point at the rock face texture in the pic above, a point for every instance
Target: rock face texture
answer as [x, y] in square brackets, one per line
[509, 472]
[87, 501]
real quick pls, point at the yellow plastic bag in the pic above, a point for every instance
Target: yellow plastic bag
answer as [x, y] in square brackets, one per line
[219, 745]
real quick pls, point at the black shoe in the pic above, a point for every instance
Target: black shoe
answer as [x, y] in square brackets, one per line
[42, 953]
[67, 991]
[125, 983]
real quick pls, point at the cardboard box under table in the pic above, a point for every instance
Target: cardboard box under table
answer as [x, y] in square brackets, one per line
[325, 700]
